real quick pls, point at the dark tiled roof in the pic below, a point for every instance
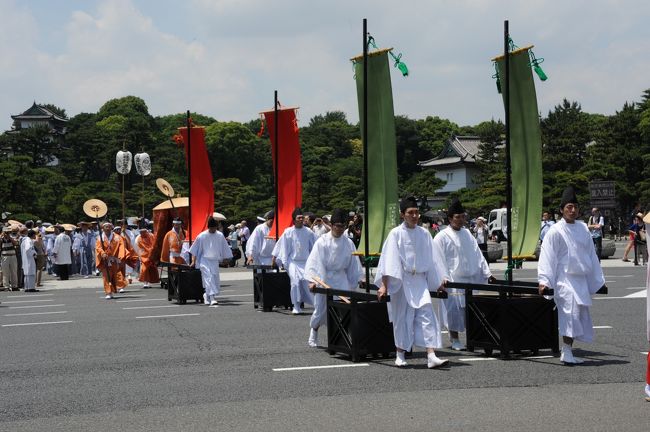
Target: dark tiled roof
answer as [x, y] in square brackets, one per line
[458, 149]
[38, 112]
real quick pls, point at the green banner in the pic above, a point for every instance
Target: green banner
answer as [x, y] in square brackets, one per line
[382, 213]
[525, 153]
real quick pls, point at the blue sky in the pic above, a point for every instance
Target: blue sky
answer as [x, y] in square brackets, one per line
[224, 58]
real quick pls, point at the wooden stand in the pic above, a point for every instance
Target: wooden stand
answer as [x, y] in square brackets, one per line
[270, 288]
[514, 318]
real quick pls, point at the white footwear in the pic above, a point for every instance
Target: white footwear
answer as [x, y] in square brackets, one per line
[400, 361]
[205, 299]
[121, 291]
[214, 303]
[86, 277]
[433, 361]
[108, 296]
[296, 310]
[456, 345]
[313, 338]
[647, 392]
[567, 357]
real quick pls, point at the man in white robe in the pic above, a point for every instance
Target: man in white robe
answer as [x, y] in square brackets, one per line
[62, 252]
[407, 271]
[28, 256]
[259, 248]
[461, 261]
[291, 252]
[332, 262]
[568, 264]
[209, 248]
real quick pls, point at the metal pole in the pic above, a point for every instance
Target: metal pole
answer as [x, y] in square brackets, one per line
[506, 51]
[366, 238]
[275, 165]
[189, 175]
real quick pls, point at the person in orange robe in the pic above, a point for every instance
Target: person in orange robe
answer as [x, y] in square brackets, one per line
[145, 243]
[131, 255]
[109, 255]
[173, 244]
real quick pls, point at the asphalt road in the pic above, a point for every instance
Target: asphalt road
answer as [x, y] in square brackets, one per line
[71, 361]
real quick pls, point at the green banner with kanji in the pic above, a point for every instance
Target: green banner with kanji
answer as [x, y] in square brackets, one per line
[525, 153]
[382, 213]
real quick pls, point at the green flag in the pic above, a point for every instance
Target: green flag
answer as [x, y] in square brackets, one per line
[525, 153]
[382, 213]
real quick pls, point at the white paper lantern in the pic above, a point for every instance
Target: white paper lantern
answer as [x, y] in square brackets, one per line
[142, 164]
[123, 161]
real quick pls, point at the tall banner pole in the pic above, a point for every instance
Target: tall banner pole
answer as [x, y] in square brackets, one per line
[189, 174]
[506, 53]
[366, 213]
[275, 168]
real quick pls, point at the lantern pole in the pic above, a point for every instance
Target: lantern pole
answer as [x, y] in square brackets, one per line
[142, 151]
[123, 201]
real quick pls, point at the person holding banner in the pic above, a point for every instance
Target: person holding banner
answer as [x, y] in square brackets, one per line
[461, 261]
[568, 264]
[408, 270]
[331, 262]
[291, 251]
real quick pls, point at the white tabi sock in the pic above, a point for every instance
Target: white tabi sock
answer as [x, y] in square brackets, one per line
[647, 390]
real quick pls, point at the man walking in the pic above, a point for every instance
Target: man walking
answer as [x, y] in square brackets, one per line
[568, 264]
[595, 225]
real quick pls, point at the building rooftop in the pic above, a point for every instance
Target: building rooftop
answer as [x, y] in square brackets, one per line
[458, 149]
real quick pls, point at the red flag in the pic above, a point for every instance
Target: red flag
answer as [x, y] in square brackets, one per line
[289, 176]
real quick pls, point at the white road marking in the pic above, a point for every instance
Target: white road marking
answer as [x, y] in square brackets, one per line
[238, 295]
[471, 359]
[142, 300]
[640, 294]
[320, 367]
[644, 352]
[28, 295]
[35, 306]
[150, 307]
[37, 323]
[635, 288]
[166, 316]
[28, 301]
[36, 313]
[603, 327]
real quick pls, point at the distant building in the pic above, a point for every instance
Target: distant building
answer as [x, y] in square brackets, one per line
[456, 165]
[38, 115]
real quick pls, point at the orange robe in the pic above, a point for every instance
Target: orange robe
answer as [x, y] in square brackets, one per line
[132, 257]
[172, 246]
[116, 254]
[148, 269]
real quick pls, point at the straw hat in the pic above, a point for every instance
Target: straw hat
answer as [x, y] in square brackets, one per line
[646, 219]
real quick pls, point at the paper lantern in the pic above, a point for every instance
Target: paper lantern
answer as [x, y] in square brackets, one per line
[123, 161]
[142, 164]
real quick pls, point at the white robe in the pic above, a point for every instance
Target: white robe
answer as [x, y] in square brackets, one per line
[291, 251]
[409, 260]
[27, 256]
[568, 264]
[259, 246]
[647, 229]
[63, 249]
[332, 261]
[461, 260]
[209, 249]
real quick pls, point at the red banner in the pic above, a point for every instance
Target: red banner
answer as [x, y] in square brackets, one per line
[201, 184]
[289, 176]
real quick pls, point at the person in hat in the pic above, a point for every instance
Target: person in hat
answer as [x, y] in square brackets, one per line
[461, 260]
[173, 243]
[208, 250]
[9, 261]
[291, 252]
[260, 246]
[407, 271]
[62, 252]
[109, 256]
[332, 262]
[481, 234]
[144, 244]
[29, 260]
[568, 264]
[87, 240]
